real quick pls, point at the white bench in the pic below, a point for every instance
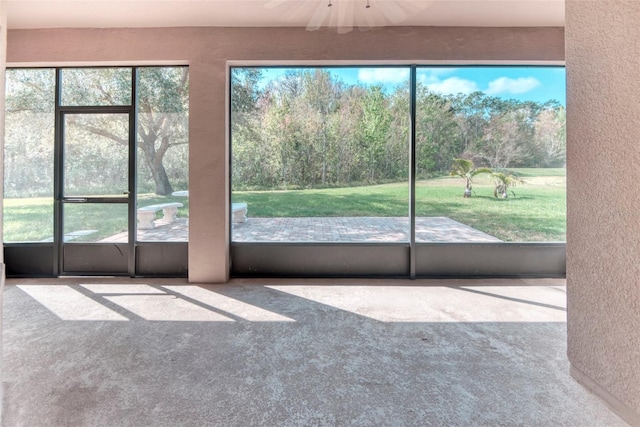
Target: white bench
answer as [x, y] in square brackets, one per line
[147, 214]
[239, 211]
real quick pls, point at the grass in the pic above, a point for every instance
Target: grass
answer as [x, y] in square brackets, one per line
[31, 219]
[528, 172]
[536, 213]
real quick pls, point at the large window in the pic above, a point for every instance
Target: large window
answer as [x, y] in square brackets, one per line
[490, 154]
[320, 154]
[323, 154]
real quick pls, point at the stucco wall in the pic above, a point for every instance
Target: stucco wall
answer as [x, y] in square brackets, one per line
[603, 174]
[3, 57]
[3, 53]
[206, 50]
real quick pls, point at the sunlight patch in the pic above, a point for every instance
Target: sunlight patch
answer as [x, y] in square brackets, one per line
[124, 289]
[439, 304]
[229, 305]
[70, 304]
[166, 308]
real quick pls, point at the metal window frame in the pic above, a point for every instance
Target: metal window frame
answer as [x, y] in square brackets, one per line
[144, 259]
[410, 259]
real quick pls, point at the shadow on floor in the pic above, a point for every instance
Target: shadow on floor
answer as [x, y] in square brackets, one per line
[256, 352]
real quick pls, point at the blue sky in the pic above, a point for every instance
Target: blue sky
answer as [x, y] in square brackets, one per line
[528, 83]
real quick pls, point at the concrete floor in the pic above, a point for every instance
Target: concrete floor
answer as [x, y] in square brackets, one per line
[91, 352]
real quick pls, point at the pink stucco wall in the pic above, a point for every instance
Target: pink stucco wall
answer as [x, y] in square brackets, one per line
[207, 51]
[603, 208]
[3, 57]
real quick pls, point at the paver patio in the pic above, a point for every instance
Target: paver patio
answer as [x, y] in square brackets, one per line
[328, 229]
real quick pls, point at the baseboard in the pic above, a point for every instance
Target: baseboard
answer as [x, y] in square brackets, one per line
[618, 407]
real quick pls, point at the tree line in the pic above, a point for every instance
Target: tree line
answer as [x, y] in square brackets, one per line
[306, 129]
[310, 129]
[96, 145]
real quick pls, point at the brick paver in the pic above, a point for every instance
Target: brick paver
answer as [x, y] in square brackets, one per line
[356, 229]
[338, 229]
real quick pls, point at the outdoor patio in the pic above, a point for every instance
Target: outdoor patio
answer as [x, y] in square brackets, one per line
[330, 229]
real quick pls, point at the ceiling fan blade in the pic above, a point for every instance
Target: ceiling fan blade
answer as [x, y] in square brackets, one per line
[319, 16]
[366, 20]
[271, 4]
[345, 16]
[392, 10]
[421, 4]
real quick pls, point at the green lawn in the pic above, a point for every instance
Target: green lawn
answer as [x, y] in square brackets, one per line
[31, 220]
[536, 213]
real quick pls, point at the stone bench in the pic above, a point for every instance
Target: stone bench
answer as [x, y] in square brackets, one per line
[239, 211]
[147, 214]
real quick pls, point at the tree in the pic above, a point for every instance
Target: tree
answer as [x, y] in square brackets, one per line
[29, 132]
[507, 138]
[248, 135]
[502, 183]
[245, 91]
[466, 169]
[373, 129]
[472, 112]
[550, 137]
[162, 107]
[321, 94]
[437, 133]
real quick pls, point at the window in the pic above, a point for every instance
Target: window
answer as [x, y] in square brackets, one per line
[490, 154]
[163, 147]
[322, 154]
[94, 153]
[28, 155]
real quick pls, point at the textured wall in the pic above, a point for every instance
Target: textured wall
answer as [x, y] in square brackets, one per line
[3, 53]
[603, 168]
[3, 57]
[206, 50]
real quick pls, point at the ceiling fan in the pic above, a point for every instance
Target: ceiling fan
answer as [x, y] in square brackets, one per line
[345, 15]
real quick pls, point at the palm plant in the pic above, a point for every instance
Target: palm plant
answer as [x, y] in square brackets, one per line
[502, 183]
[465, 169]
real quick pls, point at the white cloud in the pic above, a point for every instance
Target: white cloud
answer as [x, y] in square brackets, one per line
[434, 79]
[433, 75]
[452, 86]
[506, 85]
[383, 75]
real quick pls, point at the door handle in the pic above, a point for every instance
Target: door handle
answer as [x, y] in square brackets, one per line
[77, 200]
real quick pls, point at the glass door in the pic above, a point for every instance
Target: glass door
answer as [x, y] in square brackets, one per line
[94, 226]
[89, 153]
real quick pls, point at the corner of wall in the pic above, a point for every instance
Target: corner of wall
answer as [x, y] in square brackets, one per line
[622, 410]
[603, 122]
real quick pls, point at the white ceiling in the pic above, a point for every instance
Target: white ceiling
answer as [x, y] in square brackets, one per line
[250, 13]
